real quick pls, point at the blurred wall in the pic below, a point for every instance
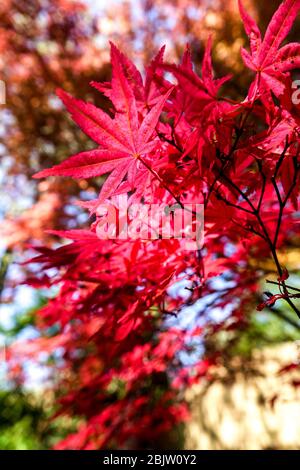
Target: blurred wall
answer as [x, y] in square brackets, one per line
[248, 411]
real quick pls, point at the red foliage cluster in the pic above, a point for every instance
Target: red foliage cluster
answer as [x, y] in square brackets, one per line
[165, 143]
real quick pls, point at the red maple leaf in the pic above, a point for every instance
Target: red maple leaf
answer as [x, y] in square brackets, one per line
[124, 140]
[266, 58]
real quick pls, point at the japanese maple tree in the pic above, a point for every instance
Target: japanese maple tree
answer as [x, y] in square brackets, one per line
[170, 137]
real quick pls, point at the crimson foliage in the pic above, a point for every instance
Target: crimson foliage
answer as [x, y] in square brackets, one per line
[172, 142]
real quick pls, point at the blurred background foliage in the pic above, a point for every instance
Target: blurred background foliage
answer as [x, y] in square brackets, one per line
[45, 44]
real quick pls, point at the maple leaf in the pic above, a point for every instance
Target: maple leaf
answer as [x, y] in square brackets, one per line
[270, 63]
[130, 71]
[124, 139]
[146, 93]
[203, 90]
[189, 80]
